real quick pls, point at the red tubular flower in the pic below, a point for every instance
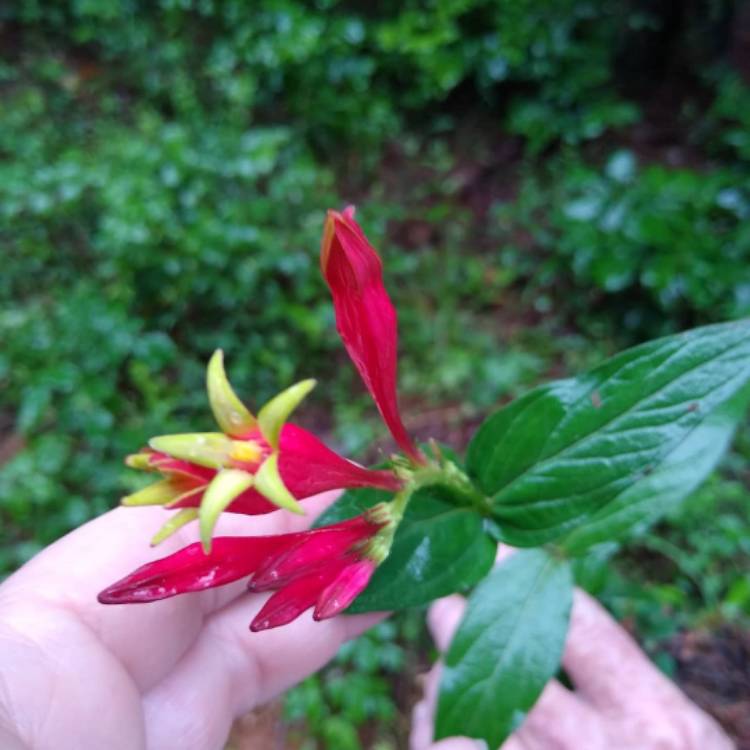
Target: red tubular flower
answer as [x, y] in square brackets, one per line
[191, 569]
[365, 316]
[311, 550]
[325, 568]
[307, 467]
[344, 589]
[330, 589]
[255, 465]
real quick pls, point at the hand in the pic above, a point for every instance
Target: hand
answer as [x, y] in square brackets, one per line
[175, 673]
[621, 701]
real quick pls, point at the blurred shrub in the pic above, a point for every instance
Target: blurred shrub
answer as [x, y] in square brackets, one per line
[131, 252]
[354, 694]
[164, 167]
[726, 129]
[348, 73]
[663, 246]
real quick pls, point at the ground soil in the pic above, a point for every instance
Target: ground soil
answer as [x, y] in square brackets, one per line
[713, 668]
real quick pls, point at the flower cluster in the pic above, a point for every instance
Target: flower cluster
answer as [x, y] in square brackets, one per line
[257, 464]
[325, 568]
[254, 466]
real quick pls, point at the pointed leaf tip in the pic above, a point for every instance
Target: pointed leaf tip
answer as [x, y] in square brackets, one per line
[224, 488]
[269, 483]
[272, 416]
[230, 413]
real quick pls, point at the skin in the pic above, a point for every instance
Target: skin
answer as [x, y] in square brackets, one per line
[177, 673]
[174, 673]
[620, 700]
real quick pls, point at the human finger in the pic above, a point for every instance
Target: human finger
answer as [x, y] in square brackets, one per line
[59, 687]
[421, 736]
[616, 677]
[77, 566]
[443, 619]
[230, 670]
[147, 639]
[560, 719]
[605, 664]
[422, 731]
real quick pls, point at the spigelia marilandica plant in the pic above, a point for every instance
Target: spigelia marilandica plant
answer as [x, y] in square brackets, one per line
[573, 466]
[260, 464]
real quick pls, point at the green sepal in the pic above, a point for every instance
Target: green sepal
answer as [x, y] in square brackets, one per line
[224, 487]
[175, 522]
[210, 449]
[140, 461]
[272, 416]
[230, 413]
[158, 493]
[269, 483]
[184, 495]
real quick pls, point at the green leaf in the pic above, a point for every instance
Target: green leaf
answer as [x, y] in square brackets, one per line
[561, 456]
[506, 648]
[34, 405]
[660, 491]
[437, 549]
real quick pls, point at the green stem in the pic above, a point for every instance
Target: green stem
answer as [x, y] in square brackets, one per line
[399, 503]
[448, 475]
[390, 513]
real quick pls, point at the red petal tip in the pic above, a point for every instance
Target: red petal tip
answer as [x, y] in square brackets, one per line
[365, 316]
[346, 587]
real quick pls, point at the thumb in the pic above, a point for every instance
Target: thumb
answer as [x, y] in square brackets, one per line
[443, 619]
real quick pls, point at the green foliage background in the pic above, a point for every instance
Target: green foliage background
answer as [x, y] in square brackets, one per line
[547, 181]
